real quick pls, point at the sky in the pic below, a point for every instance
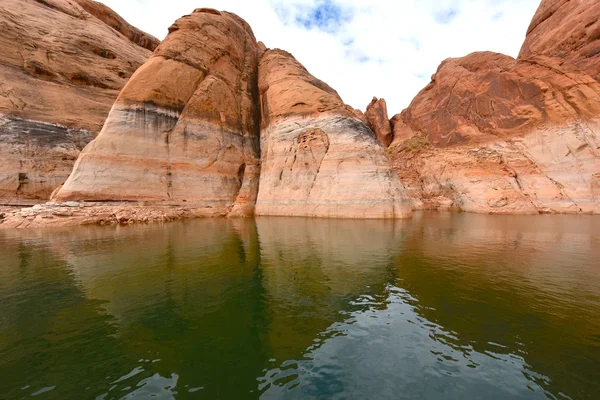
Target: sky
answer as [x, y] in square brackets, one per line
[362, 48]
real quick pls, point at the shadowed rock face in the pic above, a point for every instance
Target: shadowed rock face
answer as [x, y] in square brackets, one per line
[378, 121]
[493, 134]
[36, 158]
[318, 159]
[61, 68]
[185, 127]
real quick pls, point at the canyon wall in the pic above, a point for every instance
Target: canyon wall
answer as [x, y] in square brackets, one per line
[185, 128]
[318, 159]
[493, 134]
[213, 113]
[215, 121]
[62, 66]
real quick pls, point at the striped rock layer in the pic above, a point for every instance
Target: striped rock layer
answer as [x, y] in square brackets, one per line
[318, 159]
[185, 127]
[62, 66]
[202, 122]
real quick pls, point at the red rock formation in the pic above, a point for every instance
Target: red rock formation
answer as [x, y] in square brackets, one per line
[504, 136]
[498, 135]
[378, 121]
[568, 31]
[361, 116]
[61, 69]
[114, 20]
[400, 131]
[318, 159]
[185, 128]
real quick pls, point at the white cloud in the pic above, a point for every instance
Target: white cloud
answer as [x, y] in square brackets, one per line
[362, 48]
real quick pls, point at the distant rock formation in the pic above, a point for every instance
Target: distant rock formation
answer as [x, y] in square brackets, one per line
[61, 68]
[185, 129]
[492, 134]
[378, 121]
[318, 159]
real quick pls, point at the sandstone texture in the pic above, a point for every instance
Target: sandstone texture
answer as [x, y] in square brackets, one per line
[62, 65]
[569, 31]
[185, 128]
[378, 121]
[492, 134]
[317, 158]
[64, 214]
[35, 158]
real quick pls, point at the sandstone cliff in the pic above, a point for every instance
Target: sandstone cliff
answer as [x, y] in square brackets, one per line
[62, 65]
[378, 121]
[568, 31]
[497, 135]
[318, 159]
[212, 112]
[185, 128]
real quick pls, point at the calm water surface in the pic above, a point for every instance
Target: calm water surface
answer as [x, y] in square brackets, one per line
[446, 306]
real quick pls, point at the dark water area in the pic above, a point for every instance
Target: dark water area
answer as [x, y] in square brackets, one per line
[444, 306]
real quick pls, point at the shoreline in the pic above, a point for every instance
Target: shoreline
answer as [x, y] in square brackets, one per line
[72, 214]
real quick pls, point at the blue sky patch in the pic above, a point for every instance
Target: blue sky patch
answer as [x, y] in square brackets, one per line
[445, 16]
[325, 15]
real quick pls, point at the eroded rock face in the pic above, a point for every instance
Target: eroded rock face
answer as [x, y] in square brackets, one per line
[61, 68]
[400, 130]
[498, 135]
[378, 121]
[36, 158]
[318, 159]
[185, 128]
[114, 20]
[568, 31]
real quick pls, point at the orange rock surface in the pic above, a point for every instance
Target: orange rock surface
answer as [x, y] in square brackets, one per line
[216, 123]
[378, 121]
[568, 31]
[318, 158]
[61, 68]
[498, 135]
[185, 129]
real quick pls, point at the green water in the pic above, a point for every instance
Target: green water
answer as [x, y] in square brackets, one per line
[445, 306]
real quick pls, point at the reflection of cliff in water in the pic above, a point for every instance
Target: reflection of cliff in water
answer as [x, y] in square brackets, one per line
[314, 268]
[528, 286]
[209, 297]
[506, 289]
[222, 301]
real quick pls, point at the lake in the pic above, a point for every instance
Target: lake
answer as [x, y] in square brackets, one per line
[443, 306]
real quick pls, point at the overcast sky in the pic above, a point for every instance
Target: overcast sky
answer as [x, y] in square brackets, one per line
[362, 48]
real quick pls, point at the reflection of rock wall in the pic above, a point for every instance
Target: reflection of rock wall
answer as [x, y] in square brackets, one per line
[510, 285]
[313, 269]
[270, 288]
